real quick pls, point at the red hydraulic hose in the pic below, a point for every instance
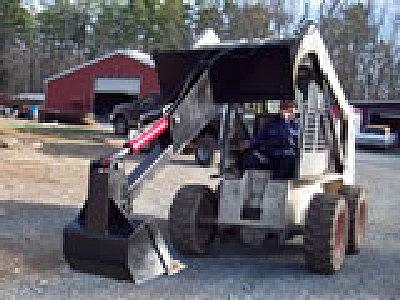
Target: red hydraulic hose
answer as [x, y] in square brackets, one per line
[146, 137]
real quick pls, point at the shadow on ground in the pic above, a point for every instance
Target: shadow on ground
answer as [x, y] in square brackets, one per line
[184, 162]
[33, 234]
[84, 150]
[89, 150]
[390, 151]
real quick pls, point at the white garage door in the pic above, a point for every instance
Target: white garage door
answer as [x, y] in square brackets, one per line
[117, 85]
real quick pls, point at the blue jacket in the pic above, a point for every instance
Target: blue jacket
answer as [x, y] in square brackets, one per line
[278, 137]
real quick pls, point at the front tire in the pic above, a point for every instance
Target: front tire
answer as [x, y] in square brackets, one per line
[121, 126]
[190, 204]
[325, 235]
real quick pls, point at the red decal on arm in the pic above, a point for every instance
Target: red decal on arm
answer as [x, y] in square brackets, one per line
[146, 137]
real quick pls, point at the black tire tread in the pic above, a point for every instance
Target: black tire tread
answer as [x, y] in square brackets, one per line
[318, 231]
[183, 218]
[126, 131]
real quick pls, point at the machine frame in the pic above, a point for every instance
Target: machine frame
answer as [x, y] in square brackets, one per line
[320, 201]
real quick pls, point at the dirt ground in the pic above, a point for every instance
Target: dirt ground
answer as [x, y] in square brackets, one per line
[45, 173]
[52, 170]
[44, 168]
[43, 183]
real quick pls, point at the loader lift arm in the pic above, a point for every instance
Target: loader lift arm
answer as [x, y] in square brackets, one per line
[105, 238]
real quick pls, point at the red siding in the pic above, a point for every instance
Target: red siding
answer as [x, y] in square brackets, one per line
[74, 92]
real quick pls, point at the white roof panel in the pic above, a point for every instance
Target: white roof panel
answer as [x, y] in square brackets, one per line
[117, 85]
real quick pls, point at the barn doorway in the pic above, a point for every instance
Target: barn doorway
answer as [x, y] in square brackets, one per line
[110, 92]
[104, 102]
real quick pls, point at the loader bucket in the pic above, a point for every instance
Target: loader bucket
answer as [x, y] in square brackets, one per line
[103, 241]
[243, 73]
[138, 256]
[148, 255]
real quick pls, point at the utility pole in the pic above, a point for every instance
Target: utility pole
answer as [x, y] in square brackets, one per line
[394, 41]
[306, 10]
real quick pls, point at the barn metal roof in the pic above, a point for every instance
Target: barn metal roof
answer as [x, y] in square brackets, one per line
[142, 57]
[30, 96]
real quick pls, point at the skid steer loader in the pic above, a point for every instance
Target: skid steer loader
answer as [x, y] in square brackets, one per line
[317, 199]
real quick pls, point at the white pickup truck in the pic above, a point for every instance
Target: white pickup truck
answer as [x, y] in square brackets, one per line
[376, 136]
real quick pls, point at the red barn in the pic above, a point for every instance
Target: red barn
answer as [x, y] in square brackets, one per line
[96, 86]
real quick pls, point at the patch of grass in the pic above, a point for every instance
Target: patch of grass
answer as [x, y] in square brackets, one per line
[63, 130]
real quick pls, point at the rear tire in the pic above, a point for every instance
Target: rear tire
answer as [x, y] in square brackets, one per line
[357, 203]
[191, 203]
[325, 235]
[121, 126]
[204, 151]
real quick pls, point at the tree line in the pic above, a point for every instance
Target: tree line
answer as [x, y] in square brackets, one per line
[34, 46]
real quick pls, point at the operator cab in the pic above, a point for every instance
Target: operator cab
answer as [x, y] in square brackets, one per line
[265, 136]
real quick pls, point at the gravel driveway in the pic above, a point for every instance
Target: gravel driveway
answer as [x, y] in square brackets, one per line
[41, 190]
